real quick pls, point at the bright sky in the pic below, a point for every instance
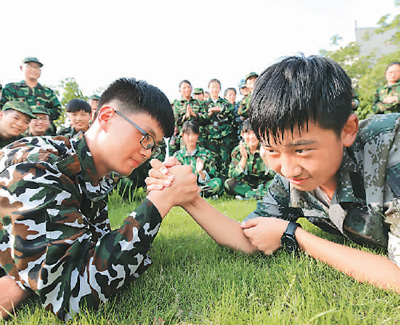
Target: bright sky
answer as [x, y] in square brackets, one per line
[165, 41]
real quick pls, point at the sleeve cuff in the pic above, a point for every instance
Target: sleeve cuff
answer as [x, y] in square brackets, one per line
[147, 212]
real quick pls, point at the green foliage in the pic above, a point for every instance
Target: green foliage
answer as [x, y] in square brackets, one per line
[392, 25]
[366, 72]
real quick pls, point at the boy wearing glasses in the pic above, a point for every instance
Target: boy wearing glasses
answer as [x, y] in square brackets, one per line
[32, 91]
[55, 236]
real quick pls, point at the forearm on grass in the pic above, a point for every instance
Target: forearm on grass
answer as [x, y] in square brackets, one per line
[360, 265]
[220, 228]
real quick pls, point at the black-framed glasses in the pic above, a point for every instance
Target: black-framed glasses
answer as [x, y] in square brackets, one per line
[147, 141]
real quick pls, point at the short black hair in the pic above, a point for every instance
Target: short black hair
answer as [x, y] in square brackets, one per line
[190, 126]
[299, 90]
[140, 97]
[77, 105]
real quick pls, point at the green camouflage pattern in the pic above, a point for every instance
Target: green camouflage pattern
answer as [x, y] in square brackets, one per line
[55, 236]
[381, 93]
[68, 131]
[39, 109]
[212, 185]
[253, 180]
[220, 125]
[180, 107]
[244, 107]
[39, 95]
[32, 59]
[365, 206]
[198, 107]
[19, 106]
[221, 135]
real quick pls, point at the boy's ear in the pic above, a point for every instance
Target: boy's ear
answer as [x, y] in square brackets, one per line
[350, 130]
[104, 116]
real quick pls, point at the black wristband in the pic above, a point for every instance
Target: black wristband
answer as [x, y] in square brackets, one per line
[288, 239]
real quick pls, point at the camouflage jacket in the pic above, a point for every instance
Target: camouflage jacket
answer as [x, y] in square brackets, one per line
[204, 154]
[220, 124]
[381, 94]
[180, 107]
[244, 107]
[69, 131]
[44, 95]
[255, 172]
[55, 236]
[365, 206]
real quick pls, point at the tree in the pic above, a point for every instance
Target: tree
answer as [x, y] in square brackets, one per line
[69, 90]
[366, 72]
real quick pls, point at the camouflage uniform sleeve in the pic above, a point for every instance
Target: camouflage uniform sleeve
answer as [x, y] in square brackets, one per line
[381, 94]
[276, 203]
[235, 170]
[378, 106]
[48, 245]
[209, 165]
[6, 95]
[202, 114]
[53, 105]
[243, 109]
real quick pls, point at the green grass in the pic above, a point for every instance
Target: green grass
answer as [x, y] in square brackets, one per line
[195, 281]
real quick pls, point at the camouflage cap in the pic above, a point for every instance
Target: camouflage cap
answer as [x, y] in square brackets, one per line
[40, 109]
[32, 59]
[197, 91]
[19, 106]
[94, 97]
[251, 74]
[242, 84]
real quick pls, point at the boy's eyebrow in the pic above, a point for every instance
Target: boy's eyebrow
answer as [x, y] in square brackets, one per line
[301, 143]
[294, 144]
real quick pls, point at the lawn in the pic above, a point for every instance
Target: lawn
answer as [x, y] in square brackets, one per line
[195, 281]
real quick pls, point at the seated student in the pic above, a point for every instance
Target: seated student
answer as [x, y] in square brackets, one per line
[55, 236]
[249, 176]
[200, 159]
[79, 114]
[14, 121]
[339, 173]
[39, 125]
[387, 97]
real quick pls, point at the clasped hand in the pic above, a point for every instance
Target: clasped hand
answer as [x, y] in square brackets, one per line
[175, 178]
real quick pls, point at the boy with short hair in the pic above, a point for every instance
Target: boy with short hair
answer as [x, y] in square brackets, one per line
[79, 114]
[342, 175]
[14, 121]
[55, 236]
